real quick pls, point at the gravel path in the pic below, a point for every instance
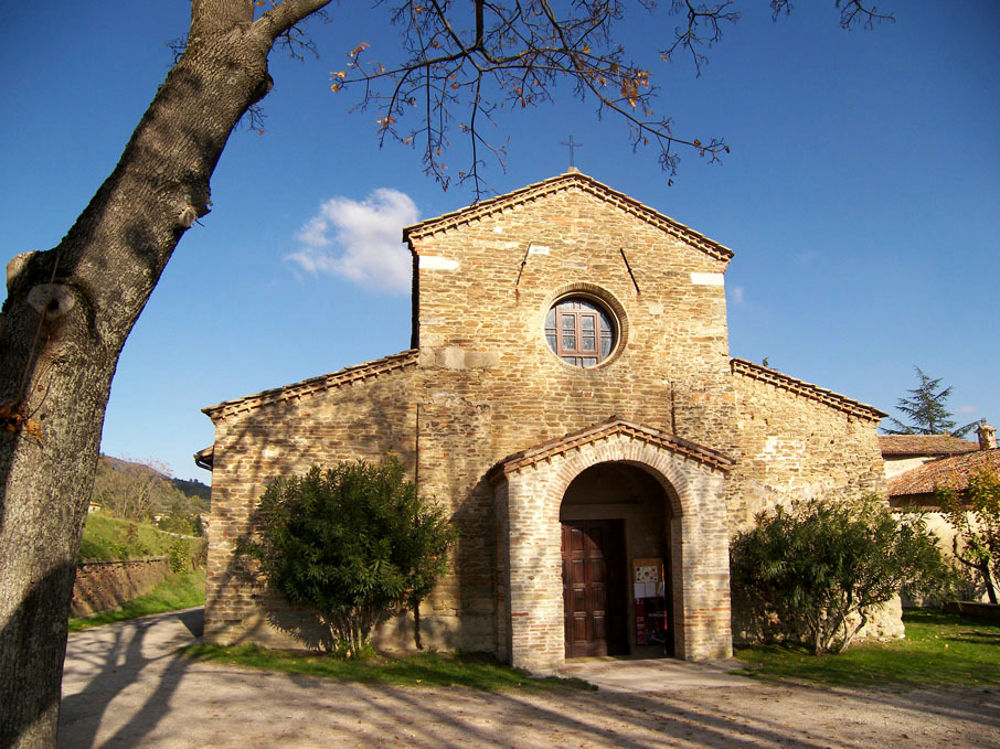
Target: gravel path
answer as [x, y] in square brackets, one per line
[124, 685]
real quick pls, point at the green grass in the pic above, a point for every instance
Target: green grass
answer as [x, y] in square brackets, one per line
[179, 591]
[107, 539]
[939, 650]
[420, 669]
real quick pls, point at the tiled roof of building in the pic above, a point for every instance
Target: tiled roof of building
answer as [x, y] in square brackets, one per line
[899, 445]
[806, 390]
[951, 473]
[565, 181]
[603, 430]
[313, 385]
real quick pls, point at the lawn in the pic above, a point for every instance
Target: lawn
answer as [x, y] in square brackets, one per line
[475, 671]
[939, 650]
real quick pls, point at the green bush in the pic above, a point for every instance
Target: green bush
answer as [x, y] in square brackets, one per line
[817, 571]
[180, 555]
[353, 543]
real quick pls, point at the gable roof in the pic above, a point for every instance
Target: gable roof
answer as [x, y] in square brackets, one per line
[952, 473]
[903, 445]
[313, 385]
[603, 430]
[806, 389]
[572, 179]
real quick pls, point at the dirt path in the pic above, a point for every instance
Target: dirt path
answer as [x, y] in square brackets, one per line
[125, 686]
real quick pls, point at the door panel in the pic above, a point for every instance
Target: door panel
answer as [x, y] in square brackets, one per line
[594, 594]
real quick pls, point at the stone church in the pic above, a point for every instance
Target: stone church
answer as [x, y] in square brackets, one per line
[570, 397]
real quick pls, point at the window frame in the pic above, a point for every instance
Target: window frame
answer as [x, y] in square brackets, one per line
[576, 307]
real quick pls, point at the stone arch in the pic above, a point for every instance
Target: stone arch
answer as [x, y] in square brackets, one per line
[529, 498]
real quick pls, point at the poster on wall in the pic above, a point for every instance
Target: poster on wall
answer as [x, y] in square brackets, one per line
[648, 588]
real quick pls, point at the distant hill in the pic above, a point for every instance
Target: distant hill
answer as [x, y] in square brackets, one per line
[192, 487]
[141, 491]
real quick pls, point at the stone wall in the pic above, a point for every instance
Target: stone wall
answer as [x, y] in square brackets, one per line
[102, 586]
[798, 441]
[492, 387]
[362, 413]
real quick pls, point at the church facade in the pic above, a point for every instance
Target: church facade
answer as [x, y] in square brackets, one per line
[570, 397]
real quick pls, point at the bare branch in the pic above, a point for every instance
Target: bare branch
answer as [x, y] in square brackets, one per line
[463, 63]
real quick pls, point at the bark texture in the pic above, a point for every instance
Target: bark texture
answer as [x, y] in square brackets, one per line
[63, 325]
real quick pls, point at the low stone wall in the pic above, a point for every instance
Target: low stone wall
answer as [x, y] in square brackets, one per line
[101, 586]
[973, 608]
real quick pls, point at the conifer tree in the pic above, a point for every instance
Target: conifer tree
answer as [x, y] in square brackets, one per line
[927, 410]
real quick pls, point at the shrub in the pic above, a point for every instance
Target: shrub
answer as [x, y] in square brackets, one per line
[180, 555]
[818, 570]
[353, 543]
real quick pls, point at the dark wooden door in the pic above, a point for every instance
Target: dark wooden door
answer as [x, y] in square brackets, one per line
[594, 593]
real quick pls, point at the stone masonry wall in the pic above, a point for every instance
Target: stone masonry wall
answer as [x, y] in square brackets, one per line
[794, 447]
[490, 385]
[102, 586]
[362, 418]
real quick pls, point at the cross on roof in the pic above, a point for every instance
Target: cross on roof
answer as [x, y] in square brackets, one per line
[572, 145]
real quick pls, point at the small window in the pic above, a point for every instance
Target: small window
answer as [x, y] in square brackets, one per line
[580, 331]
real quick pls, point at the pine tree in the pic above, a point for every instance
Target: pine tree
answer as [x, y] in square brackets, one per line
[927, 410]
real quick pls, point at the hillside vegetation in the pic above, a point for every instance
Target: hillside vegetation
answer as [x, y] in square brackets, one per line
[145, 492]
[110, 539]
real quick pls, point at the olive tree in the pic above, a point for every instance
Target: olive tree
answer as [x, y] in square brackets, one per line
[353, 543]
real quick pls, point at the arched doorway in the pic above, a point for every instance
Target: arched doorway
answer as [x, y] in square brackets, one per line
[618, 597]
[530, 488]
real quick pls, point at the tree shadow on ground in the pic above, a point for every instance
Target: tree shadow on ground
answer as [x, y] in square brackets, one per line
[137, 655]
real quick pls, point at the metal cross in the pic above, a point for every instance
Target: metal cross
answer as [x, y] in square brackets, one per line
[572, 145]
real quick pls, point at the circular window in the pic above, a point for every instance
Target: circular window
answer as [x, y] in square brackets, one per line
[581, 331]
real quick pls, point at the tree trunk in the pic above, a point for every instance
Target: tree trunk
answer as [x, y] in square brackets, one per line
[63, 325]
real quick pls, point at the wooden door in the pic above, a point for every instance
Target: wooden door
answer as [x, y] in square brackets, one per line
[594, 593]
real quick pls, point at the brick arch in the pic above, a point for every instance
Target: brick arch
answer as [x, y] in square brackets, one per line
[530, 497]
[668, 469]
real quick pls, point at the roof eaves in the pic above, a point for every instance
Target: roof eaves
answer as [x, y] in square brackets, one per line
[565, 181]
[806, 389]
[951, 472]
[313, 385]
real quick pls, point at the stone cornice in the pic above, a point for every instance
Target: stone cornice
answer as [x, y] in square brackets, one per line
[568, 180]
[313, 385]
[613, 427]
[806, 390]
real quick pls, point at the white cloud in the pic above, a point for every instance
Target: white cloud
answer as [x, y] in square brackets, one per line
[736, 295]
[967, 410]
[360, 241]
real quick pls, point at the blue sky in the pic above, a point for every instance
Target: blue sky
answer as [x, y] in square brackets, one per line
[862, 199]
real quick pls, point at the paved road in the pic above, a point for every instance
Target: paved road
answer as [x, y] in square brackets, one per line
[124, 685]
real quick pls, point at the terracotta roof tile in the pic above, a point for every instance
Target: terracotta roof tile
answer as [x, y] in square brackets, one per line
[566, 181]
[952, 473]
[924, 444]
[806, 390]
[313, 385]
